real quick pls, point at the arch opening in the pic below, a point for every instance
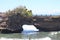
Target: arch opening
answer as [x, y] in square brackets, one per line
[29, 28]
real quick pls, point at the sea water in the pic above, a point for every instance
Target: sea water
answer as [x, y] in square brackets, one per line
[31, 34]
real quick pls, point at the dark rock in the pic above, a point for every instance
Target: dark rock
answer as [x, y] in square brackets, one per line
[13, 23]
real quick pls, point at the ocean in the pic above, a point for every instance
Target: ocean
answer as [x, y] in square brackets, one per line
[31, 34]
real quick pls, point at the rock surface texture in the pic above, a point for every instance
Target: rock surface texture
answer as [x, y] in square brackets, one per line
[13, 23]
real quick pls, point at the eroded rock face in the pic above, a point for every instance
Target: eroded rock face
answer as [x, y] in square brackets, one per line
[52, 24]
[13, 23]
[10, 24]
[11, 31]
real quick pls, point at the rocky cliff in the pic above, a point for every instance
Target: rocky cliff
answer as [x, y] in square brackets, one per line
[13, 23]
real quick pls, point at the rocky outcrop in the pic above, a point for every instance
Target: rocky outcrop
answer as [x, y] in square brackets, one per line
[47, 24]
[10, 24]
[13, 23]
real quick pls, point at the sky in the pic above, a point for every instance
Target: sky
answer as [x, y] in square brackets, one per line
[38, 7]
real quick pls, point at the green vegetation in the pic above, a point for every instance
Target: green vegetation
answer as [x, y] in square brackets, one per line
[22, 10]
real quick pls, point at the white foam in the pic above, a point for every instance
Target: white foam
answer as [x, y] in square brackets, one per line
[2, 38]
[46, 38]
[53, 33]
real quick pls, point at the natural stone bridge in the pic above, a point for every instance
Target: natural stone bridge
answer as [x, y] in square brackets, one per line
[11, 24]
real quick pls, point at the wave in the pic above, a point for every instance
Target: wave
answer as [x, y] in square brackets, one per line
[46, 38]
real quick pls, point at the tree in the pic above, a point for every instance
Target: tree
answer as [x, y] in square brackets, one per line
[22, 10]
